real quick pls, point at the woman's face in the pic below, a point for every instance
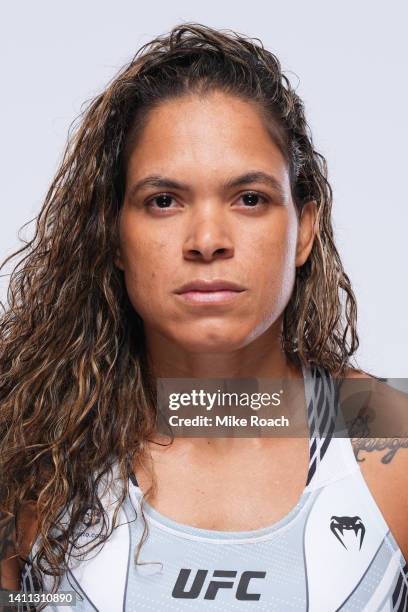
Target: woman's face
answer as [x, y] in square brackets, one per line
[208, 199]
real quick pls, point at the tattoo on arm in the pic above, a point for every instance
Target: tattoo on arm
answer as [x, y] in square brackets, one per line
[359, 431]
[379, 444]
[375, 418]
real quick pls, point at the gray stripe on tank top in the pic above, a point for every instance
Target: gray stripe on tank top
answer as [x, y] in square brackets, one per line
[129, 551]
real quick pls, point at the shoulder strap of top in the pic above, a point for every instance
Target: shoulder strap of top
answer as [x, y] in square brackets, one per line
[331, 454]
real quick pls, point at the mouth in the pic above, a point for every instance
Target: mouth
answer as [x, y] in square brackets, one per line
[202, 291]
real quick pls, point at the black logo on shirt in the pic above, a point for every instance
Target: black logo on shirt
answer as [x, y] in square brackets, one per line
[211, 591]
[339, 524]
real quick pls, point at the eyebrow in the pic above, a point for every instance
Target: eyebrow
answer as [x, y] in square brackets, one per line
[163, 182]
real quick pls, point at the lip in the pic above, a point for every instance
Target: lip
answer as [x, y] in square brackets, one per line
[209, 286]
[201, 291]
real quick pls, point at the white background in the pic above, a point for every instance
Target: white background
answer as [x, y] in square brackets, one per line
[349, 60]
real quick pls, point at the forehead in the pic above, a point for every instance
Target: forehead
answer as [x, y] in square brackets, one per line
[196, 133]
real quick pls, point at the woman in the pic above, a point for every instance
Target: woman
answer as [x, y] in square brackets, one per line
[188, 234]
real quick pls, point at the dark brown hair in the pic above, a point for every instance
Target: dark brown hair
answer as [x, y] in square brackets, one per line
[72, 348]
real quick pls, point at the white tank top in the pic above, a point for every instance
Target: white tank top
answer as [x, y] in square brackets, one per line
[332, 551]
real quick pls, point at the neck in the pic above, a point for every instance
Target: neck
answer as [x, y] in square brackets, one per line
[261, 358]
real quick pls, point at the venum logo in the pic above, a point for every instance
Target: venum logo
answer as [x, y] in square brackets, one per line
[196, 589]
[340, 525]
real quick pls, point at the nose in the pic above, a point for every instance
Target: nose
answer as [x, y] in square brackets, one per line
[208, 238]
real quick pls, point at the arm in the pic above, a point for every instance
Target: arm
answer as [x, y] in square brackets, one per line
[379, 437]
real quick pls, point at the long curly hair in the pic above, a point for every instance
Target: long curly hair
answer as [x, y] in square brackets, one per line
[72, 351]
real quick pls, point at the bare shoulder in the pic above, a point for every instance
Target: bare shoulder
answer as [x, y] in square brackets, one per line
[377, 417]
[17, 538]
[354, 373]
[377, 423]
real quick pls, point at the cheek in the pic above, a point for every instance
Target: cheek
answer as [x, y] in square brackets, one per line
[146, 270]
[276, 268]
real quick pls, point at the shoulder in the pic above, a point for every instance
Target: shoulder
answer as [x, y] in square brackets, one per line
[377, 418]
[376, 414]
[17, 546]
[27, 527]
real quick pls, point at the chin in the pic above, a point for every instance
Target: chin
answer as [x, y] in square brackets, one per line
[208, 341]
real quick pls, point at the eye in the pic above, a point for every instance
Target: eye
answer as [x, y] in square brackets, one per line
[252, 199]
[163, 201]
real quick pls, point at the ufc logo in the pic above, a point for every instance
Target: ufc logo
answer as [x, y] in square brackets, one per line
[241, 593]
